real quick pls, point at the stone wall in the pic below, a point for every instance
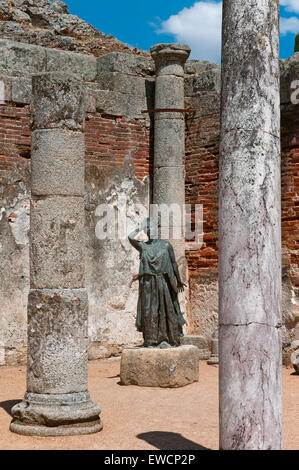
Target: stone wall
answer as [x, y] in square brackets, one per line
[119, 158]
[118, 139]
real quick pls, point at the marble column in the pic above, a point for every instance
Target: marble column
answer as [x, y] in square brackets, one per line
[57, 401]
[250, 229]
[169, 141]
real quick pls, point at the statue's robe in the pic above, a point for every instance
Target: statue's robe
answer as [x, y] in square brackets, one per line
[159, 316]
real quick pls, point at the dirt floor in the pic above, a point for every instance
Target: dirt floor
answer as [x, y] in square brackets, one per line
[142, 418]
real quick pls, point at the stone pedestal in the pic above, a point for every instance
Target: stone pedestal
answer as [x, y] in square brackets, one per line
[57, 401]
[214, 359]
[200, 342]
[295, 355]
[154, 367]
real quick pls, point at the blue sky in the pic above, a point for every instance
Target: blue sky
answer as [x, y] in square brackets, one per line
[143, 23]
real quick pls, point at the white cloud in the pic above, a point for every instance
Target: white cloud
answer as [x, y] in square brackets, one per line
[289, 25]
[290, 5]
[200, 27]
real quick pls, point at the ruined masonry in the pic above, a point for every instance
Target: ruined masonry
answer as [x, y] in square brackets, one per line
[38, 37]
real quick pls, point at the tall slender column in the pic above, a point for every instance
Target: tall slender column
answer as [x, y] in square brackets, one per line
[57, 401]
[169, 147]
[250, 229]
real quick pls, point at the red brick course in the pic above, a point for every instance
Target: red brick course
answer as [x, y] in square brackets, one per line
[290, 183]
[14, 136]
[202, 157]
[111, 140]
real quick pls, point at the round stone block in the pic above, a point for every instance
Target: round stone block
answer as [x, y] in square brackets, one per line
[56, 415]
[154, 367]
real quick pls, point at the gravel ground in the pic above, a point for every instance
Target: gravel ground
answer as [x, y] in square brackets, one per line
[142, 418]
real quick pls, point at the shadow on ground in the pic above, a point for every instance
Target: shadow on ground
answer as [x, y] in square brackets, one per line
[8, 405]
[169, 441]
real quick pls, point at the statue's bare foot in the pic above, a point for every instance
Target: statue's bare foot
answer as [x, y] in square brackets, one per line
[164, 345]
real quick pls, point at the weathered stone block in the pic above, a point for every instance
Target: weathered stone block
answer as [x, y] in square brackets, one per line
[58, 162]
[200, 342]
[82, 66]
[169, 143]
[122, 83]
[204, 103]
[126, 63]
[2, 354]
[57, 243]
[196, 340]
[90, 97]
[206, 81]
[295, 355]
[5, 89]
[120, 104]
[57, 341]
[289, 72]
[21, 91]
[154, 367]
[21, 59]
[214, 359]
[59, 101]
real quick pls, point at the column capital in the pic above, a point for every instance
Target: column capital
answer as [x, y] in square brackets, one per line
[170, 54]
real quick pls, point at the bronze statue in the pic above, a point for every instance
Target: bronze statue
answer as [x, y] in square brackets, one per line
[159, 316]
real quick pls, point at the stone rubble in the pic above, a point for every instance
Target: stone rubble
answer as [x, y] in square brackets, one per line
[49, 24]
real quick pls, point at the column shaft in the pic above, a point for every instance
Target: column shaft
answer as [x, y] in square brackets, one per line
[57, 401]
[169, 147]
[250, 229]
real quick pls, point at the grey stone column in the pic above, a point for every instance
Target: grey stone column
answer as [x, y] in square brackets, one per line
[169, 137]
[57, 401]
[250, 229]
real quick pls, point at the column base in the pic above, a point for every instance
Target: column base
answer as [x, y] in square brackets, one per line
[56, 415]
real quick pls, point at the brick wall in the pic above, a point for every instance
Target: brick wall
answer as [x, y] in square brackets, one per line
[290, 185]
[14, 136]
[202, 154]
[111, 140]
